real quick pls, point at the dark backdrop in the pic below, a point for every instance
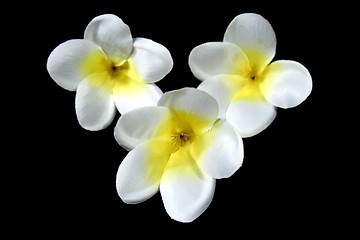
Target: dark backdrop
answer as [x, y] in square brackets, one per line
[69, 188]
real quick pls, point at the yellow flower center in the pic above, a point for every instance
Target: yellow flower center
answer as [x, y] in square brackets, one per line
[114, 70]
[106, 74]
[250, 76]
[181, 138]
[173, 142]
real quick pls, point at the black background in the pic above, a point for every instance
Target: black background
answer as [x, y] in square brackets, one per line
[68, 180]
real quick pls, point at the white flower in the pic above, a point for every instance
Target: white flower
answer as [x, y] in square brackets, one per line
[178, 146]
[239, 75]
[109, 69]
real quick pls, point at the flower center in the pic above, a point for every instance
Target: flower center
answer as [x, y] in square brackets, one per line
[254, 76]
[181, 138]
[115, 70]
[250, 86]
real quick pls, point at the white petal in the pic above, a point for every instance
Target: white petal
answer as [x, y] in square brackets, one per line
[94, 105]
[223, 88]
[137, 95]
[152, 60]
[250, 117]
[64, 62]
[140, 125]
[253, 34]
[198, 108]
[287, 84]
[219, 152]
[112, 34]
[213, 58]
[185, 190]
[139, 174]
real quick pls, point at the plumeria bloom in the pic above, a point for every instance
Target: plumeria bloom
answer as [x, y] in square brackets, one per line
[179, 147]
[238, 74]
[109, 69]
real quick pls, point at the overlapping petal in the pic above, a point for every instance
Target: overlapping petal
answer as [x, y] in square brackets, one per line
[254, 35]
[134, 95]
[140, 173]
[185, 189]
[214, 58]
[223, 88]
[143, 124]
[250, 117]
[112, 35]
[95, 108]
[64, 62]
[152, 60]
[220, 151]
[287, 84]
[193, 106]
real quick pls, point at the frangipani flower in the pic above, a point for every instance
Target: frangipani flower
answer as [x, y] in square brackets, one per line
[109, 69]
[178, 147]
[238, 74]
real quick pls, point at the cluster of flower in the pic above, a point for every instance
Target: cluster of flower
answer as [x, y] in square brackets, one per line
[183, 140]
